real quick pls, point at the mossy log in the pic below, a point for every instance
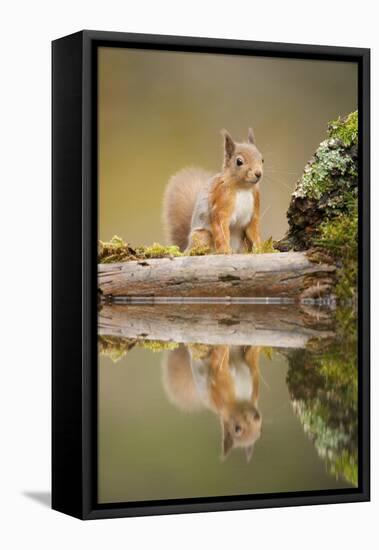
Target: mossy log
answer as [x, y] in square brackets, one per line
[283, 326]
[288, 274]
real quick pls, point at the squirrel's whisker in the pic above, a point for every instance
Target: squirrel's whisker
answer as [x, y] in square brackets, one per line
[264, 381]
[282, 171]
[265, 212]
[275, 181]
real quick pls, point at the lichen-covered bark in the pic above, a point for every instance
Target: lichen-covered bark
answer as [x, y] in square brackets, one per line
[328, 187]
[323, 212]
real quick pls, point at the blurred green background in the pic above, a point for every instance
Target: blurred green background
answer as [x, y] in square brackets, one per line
[160, 111]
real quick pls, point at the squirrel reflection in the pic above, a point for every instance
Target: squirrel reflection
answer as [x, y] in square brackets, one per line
[224, 379]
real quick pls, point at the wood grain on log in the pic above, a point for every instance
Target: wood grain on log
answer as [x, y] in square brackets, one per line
[286, 274]
[254, 325]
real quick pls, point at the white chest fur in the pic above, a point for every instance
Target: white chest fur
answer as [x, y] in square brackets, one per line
[243, 209]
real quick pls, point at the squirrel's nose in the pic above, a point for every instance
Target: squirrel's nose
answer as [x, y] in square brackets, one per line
[258, 173]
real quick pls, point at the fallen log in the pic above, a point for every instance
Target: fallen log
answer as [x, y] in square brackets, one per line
[280, 326]
[285, 274]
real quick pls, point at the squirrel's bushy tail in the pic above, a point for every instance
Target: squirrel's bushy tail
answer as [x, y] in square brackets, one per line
[179, 202]
[178, 381]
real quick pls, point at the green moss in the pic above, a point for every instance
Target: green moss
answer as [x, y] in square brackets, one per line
[266, 247]
[159, 251]
[345, 129]
[339, 237]
[117, 250]
[329, 441]
[323, 384]
[116, 347]
[157, 345]
[346, 465]
[199, 250]
[267, 351]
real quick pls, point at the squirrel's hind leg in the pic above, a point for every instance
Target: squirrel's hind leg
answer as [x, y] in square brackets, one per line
[200, 241]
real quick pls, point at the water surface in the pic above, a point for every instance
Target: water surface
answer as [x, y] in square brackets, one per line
[220, 416]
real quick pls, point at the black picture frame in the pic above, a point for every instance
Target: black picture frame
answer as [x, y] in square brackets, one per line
[74, 273]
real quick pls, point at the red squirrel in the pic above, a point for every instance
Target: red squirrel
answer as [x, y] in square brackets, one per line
[223, 379]
[220, 212]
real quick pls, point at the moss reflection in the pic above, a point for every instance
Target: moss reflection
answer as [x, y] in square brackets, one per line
[323, 385]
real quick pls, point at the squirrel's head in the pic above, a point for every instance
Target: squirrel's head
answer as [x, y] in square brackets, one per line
[241, 427]
[243, 162]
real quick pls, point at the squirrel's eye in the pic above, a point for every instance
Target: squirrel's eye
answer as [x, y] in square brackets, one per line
[263, 161]
[239, 161]
[237, 429]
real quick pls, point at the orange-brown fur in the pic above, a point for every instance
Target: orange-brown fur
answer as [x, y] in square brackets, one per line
[184, 188]
[253, 231]
[222, 199]
[234, 413]
[240, 418]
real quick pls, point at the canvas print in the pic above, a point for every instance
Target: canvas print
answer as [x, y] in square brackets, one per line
[227, 275]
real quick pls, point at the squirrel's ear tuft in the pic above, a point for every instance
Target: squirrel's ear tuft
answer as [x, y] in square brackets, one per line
[251, 136]
[229, 145]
